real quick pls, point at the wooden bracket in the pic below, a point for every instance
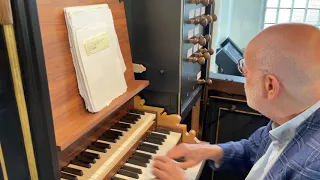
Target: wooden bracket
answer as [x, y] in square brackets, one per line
[164, 120]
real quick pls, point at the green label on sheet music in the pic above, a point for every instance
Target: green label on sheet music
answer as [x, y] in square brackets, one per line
[96, 44]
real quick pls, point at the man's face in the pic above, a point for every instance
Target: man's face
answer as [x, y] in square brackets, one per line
[253, 86]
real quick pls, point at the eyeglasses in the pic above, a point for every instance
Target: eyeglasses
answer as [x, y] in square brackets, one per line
[241, 66]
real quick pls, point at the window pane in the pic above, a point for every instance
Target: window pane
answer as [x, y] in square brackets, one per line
[267, 25]
[271, 15]
[285, 3]
[297, 15]
[312, 17]
[272, 3]
[300, 3]
[284, 15]
[314, 4]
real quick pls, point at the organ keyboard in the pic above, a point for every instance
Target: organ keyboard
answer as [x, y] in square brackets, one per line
[125, 151]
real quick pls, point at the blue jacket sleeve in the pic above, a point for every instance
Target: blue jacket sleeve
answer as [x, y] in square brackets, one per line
[241, 155]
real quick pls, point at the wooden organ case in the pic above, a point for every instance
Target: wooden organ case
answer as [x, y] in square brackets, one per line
[172, 39]
[115, 143]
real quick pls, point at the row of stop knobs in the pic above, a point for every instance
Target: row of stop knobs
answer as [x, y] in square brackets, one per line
[201, 56]
[204, 20]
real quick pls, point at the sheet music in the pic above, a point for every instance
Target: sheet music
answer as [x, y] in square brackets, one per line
[96, 53]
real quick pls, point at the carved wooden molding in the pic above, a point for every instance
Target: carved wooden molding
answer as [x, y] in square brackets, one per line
[5, 12]
[171, 121]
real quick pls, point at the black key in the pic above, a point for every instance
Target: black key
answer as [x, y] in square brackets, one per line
[117, 127]
[115, 132]
[181, 159]
[128, 173]
[117, 178]
[128, 121]
[146, 149]
[80, 163]
[143, 155]
[68, 176]
[97, 149]
[86, 159]
[163, 131]
[108, 139]
[91, 155]
[72, 171]
[112, 136]
[150, 146]
[123, 125]
[135, 116]
[158, 135]
[137, 111]
[141, 159]
[153, 140]
[101, 145]
[132, 169]
[138, 163]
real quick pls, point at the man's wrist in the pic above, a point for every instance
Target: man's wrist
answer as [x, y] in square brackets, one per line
[214, 153]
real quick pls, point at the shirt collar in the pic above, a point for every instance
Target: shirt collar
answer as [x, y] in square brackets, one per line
[287, 131]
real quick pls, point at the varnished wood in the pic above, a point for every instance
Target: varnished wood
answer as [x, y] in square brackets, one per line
[227, 86]
[171, 122]
[3, 164]
[5, 12]
[20, 98]
[71, 119]
[82, 143]
[196, 117]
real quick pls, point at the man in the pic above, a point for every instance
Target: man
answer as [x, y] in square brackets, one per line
[282, 71]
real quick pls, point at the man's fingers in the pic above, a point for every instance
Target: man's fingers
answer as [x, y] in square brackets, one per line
[187, 164]
[164, 159]
[159, 164]
[160, 174]
[177, 152]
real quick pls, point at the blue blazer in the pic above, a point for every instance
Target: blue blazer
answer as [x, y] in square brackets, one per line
[299, 160]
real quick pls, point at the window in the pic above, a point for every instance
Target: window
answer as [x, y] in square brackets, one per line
[300, 11]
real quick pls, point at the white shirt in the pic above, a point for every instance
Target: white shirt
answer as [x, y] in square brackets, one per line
[281, 136]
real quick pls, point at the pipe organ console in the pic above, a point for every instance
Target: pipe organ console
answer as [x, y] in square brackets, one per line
[173, 39]
[119, 141]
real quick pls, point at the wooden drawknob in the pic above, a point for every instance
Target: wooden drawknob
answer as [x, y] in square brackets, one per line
[203, 2]
[203, 50]
[193, 59]
[203, 21]
[208, 37]
[211, 2]
[202, 81]
[211, 51]
[198, 54]
[206, 55]
[212, 19]
[193, 41]
[201, 60]
[202, 41]
[195, 21]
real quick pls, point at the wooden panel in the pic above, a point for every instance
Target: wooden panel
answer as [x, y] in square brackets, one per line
[71, 119]
[195, 117]
[5, 12]
[227, 86]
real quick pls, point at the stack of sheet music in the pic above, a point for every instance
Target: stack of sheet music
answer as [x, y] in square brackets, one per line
[96, 53]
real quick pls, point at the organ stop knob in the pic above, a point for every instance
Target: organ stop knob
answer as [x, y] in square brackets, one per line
[203, 21]
[207, 82]
[201, 60]
[204, 50]
[193, 59]
[211, 19]
[203, 2]
[211, 2]
[206, 55]
[198, 54]
[193, 40]
[202, 41]
[195, 21]
[208, 37]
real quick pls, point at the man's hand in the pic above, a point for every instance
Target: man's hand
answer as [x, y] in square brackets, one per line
[165, 168]
[195, 153]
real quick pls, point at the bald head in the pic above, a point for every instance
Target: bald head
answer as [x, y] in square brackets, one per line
[291, 52]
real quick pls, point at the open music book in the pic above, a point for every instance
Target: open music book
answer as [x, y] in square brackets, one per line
[96, 53]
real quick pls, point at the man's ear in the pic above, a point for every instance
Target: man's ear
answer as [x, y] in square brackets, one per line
[271, 86]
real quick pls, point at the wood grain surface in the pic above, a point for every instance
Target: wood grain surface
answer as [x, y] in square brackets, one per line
[5, 12]
[71, 119]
